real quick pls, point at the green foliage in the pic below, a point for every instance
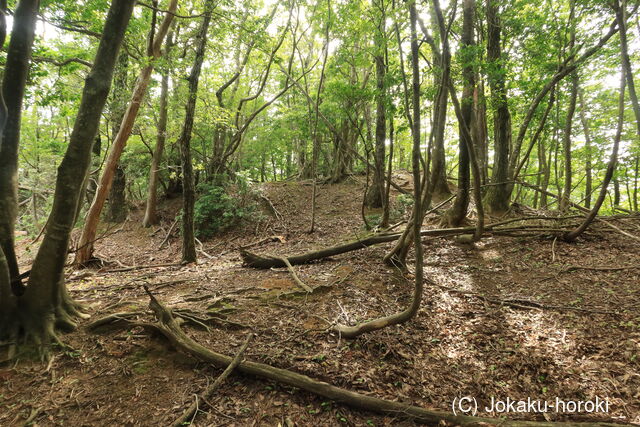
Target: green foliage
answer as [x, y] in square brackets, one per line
[219, 207]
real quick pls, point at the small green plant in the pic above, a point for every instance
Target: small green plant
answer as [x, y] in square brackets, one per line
[219, 207]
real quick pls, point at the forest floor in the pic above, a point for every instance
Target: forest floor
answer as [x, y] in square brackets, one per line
[508, 317]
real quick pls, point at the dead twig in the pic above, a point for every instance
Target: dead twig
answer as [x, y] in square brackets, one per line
[526, 304]
[166, 238]
[295, 276]
[191, 412]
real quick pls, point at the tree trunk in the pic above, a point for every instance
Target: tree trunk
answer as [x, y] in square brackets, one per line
[498, 194]
[438, 185]
[411, 311]
[85, 244]
[620, 7]
[13, 89]
[188, 190]
[151, 210]
[46, 304]
[458, 212]
[375, 196]
[611, 167]
[566, 144]
[587, 148]
[117, 209]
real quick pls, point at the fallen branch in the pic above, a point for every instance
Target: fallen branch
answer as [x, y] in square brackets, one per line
[169, 328]
[526, 304]
[257, 261]
[191, 412]
[166, 238]
[273, 209]
[295, 276]
[140, 267]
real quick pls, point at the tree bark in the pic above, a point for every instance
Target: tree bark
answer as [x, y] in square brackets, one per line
[85, 244]
[46, 304]
[376, 195]
[458, 212]
[13, 89]
[411, 311]
[188, 190]
[498, 194]
[611, 167]
[151, 210]
[587, 148]
[620, 7]
[116, 206]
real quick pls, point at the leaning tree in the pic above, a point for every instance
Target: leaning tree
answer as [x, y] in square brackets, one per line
[44, 305]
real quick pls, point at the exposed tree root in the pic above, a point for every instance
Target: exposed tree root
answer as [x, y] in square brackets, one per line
[168, 327]
[191, 412]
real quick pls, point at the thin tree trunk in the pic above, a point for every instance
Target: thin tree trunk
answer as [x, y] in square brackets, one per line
[566, 144]
[314, 159]
[375, 197]
[188, 190]
[116, 210]
[620, 7]
[46, 304]
[412, 309]
[85, 244]
[14, 83]
[458, 212]
[151, 210]
[497, 197]
[611, 167]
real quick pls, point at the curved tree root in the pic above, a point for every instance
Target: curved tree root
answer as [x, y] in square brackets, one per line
[168, 327]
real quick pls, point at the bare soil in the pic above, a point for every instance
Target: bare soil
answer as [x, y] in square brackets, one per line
[508, 317]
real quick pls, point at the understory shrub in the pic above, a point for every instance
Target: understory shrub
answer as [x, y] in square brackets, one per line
[219, 207]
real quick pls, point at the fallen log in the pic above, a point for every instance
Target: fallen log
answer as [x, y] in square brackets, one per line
[168, 327]
[251, 259]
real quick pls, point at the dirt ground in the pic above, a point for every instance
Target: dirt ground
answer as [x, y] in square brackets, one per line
[510, 317]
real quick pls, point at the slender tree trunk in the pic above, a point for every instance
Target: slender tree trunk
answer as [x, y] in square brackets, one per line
[188, 190]
[587, 137]
[621, 17]
[566, 144]
[387, 191]
[611, 167]
[439, 187]
[116, 207]
[480, 135]
[498, 194]
[375, 196]
[14, 83]
[314, 160]
[635, 185]
[412, 309]
[458, 212]
[46, 304]
[89, 231]
[151, 210]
